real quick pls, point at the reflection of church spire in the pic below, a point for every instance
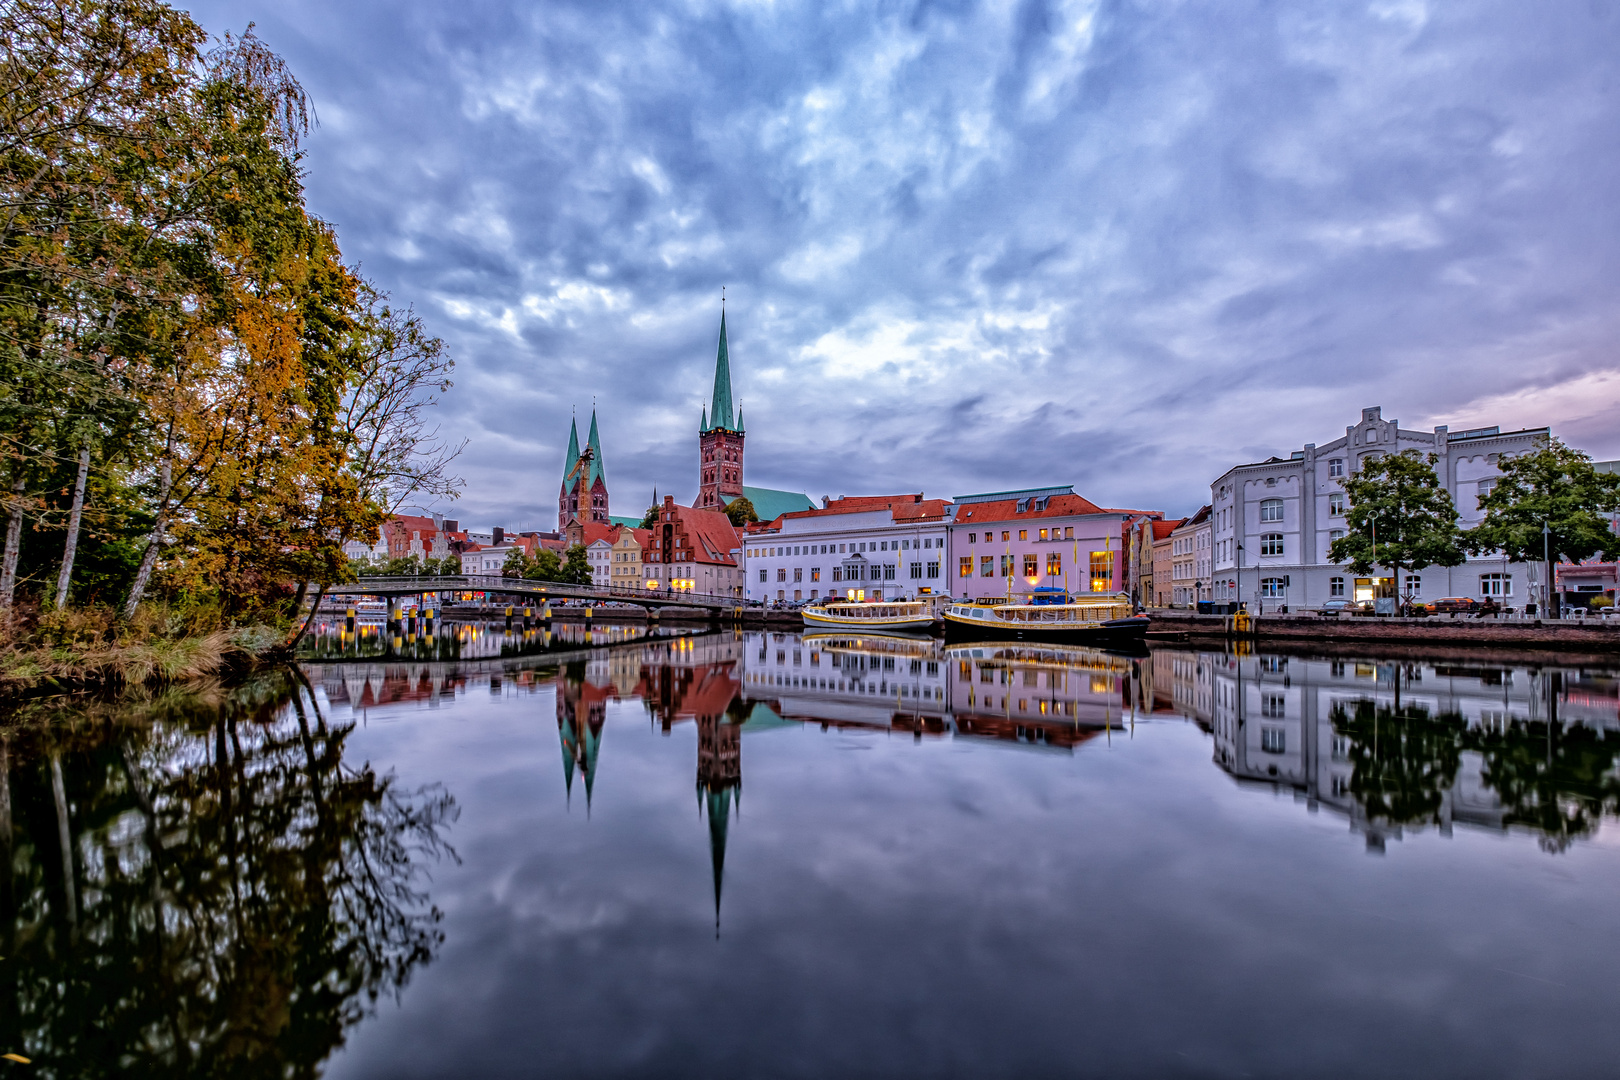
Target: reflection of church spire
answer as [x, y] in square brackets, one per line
[581, 736]
[719, 786]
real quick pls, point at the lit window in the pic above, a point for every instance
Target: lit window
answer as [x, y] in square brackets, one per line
[1005, 536]
[964, 567]
[1030, 566]
[1054, 564]
[1271, 543]
[1043, 534]
[1068, 533]
[1102, 571]
[1271, 510]
[815, 573]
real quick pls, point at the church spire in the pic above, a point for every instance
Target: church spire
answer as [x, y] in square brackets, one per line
[595, 445]
[573, 448]
[720, 414]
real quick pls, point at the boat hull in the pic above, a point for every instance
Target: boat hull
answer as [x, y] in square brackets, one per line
[1134, 627]
[893, 625]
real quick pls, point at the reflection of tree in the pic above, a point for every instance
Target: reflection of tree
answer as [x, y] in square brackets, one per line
[1556, 780]
[242, 895]
[1404, 760]
[1553, 779]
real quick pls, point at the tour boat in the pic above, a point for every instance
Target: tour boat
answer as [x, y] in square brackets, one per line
[900, 616]
[1087, 617]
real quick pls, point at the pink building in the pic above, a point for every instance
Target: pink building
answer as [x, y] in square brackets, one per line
[1018, 541]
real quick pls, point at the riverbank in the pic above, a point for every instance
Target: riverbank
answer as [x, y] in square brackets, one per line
[93, 650]
[1560, 635]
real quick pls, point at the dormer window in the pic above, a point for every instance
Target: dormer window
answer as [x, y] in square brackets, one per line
[1023, 505]
[1040, 503]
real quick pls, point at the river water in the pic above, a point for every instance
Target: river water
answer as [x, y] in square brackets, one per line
[608, 854]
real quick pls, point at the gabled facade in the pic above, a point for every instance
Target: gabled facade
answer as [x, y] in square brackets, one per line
[1273, 520]
[1013, 542]
[625, 569]
[1190, 560]
[693, 550]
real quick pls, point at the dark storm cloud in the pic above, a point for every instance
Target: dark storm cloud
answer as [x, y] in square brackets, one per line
[975, 246]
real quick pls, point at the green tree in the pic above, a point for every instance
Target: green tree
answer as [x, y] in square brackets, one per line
[576, 569]
[650, 518]
[546, 566]
[1555, 486]
[741, 511]
[1400, 516]
[516, 565]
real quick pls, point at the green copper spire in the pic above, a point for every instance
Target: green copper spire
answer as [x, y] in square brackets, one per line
[703, 421]
[573, 450]
[721, 412]
[596, 453]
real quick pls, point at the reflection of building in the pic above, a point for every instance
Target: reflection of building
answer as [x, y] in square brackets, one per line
[582, 697]
[1392, 745]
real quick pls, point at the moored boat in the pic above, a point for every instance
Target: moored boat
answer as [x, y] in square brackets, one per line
[900, 616]
[1088, 617]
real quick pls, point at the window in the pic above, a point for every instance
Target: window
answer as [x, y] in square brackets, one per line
[1485, 488]
[1102, 571]
[1335, 586]
[1496, 584]
[964, 569]
[929, 542]
[1273, 740]
[762, 577]
[1043, 534]
[798, 573]
[1336, 466]
[933, 569]
[1054, 564]
[1414, 585]
[987, 566]
[1031, 566]
[1068, 532]
[815, 574]
[1335, 534]
[1271, 510]
[1023, 534]
[1336, 504]
[1273, 706]
[1006, 565]
[1273, 586]
[1005, 536]
[781, 574]
[1271, 543]
[888, 572]
[838, 573]
[973, 538]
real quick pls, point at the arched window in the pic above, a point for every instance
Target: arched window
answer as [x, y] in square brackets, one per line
[1271, 543]
[1271, 510]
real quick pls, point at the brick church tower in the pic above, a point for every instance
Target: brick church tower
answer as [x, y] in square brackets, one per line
[720, 442]
[584, 494]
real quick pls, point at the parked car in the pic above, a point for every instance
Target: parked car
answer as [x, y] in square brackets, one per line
[1456, 605]
[1344, 607]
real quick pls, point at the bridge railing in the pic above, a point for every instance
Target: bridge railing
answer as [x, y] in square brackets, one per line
[563, 590]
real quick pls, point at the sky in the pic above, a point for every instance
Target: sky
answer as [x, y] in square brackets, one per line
[973, 246]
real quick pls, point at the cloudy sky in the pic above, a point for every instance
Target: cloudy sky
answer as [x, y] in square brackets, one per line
[974, 246]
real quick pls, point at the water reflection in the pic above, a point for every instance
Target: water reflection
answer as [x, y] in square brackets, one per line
[464, 640]
[1401, 745]
[199, 884]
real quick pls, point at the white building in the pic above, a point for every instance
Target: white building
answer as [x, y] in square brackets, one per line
[599, 553]
[486, 560]
[867, 548]
[1273, 520]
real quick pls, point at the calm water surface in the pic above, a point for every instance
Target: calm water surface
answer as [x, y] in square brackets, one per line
[757, 855]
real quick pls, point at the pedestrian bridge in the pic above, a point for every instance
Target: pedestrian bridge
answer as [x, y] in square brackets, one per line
[539, 591]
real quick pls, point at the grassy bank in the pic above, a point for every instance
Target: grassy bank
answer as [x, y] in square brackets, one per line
[88, 648]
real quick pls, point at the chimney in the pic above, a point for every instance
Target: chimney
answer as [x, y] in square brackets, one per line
[498, 534]
[452, 525]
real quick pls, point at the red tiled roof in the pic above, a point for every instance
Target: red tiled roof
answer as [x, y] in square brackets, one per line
[1162, 528]
[1006, 510]
[900, 507]
[712, 535]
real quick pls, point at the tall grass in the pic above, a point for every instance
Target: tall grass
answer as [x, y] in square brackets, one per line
[94, 647]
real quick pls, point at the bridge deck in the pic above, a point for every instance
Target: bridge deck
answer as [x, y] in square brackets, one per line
[541, 590]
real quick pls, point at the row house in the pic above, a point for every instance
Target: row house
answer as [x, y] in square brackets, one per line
[1163, 576]
[1273, 520]
[1191, 560]
[1013, 542]
[855, 548]
[692, 550]
[433, 537]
